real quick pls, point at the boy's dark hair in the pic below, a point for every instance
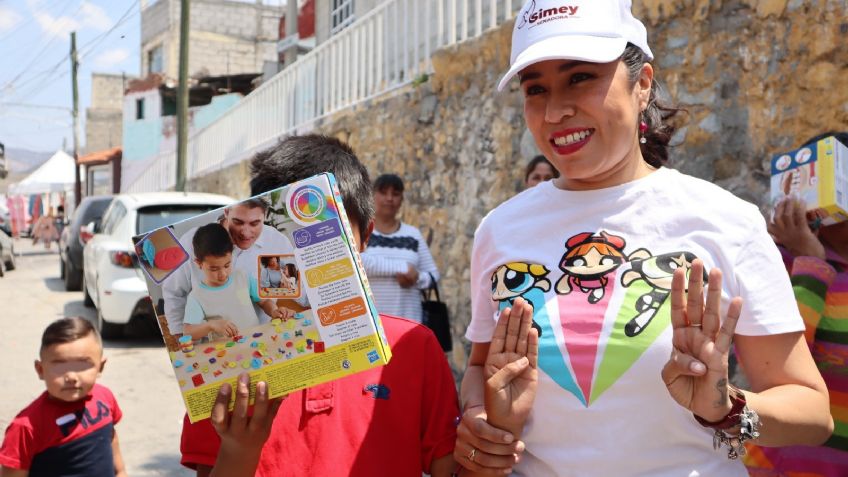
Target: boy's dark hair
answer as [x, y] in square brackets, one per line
[841, 136]
[265, 260]
[66, 330]
[211, 239]
[300, 157]
[531, 166]
[388, 181]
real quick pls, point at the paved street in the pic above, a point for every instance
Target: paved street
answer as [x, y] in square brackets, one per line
[137, 370]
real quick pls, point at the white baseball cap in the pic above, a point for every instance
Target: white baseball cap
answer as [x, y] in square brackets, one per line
[596, 31]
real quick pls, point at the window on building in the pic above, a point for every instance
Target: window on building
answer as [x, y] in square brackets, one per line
[342, 15]
[139, 108]
[155, 61]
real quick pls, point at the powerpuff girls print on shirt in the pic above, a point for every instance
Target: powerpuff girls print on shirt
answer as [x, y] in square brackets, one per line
[587, 280]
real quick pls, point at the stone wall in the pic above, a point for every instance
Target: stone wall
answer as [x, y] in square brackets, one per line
[757, 78]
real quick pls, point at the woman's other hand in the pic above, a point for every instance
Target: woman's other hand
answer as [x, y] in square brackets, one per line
[696, 375]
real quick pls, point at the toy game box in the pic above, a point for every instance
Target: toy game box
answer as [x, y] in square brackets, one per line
[271, 285]
[818, 174]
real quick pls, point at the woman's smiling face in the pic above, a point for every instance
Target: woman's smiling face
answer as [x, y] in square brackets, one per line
[584, 118]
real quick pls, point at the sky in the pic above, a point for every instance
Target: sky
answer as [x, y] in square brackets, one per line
[35, 67]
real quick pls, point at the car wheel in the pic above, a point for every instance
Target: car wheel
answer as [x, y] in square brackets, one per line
[73, 277]
[10, 264]
[108, 330]
[86, 298]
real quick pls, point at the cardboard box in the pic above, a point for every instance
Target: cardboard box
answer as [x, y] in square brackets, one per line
[818, 174]
[303, 264]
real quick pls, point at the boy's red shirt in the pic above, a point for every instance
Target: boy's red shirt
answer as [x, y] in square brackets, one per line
[392, 420]
[53, 437]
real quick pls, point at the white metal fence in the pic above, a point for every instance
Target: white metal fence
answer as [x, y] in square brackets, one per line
[387, 48]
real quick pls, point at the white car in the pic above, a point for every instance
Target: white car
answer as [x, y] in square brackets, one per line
[112, 279]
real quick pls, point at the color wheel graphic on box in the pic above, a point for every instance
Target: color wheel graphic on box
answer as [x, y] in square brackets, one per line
[310, 204]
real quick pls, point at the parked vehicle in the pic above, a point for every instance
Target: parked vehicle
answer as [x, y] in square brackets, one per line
[75, 235]
[112, 279]
[5, 220]
[7, 253]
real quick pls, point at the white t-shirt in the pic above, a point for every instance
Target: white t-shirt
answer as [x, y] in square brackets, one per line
[390, 254]
[231, 301]
[602, 408]
[177, 286]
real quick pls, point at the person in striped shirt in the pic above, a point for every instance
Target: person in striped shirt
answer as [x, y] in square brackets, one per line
[817, 261]
[397, 261]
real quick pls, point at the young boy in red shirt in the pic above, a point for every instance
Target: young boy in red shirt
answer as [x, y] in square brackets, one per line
[397, 420]
[68, 431]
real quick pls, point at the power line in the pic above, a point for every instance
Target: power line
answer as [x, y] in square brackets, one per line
[91, 45]
[38, 55]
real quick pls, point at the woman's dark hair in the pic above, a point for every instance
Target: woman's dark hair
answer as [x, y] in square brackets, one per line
[211, 239]
[392, 181]
[656, 115]
[841, 136]
[66, 330]
[535, 162]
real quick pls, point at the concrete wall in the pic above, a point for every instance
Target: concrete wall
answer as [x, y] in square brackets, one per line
[226, 37]
[103, 123]
[757, 77]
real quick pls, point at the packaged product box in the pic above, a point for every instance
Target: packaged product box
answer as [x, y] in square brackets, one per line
[818, 174]
[272, 285]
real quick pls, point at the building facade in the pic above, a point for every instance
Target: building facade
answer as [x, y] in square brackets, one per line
[103, 129]
[226, 37]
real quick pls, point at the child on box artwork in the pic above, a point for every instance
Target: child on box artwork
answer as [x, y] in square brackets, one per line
[223, 303]
[70, 429]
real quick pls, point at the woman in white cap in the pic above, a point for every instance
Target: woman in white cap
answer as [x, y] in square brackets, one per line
[631, 375]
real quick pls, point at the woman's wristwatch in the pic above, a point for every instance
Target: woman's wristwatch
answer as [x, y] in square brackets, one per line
[740, 416]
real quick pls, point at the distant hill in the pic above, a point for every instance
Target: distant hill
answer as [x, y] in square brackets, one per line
[21, 163]
[24, 160]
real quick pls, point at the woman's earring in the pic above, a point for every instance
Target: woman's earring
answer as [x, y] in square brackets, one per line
[643, 126]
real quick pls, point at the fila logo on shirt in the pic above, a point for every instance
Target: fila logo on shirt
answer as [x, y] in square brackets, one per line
[68, 422]
[548, 14]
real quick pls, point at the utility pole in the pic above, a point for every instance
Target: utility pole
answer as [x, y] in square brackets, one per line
[75, 112]
[291, 33]
[182, 98]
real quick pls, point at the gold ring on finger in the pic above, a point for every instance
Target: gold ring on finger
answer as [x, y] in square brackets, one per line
[695, 325]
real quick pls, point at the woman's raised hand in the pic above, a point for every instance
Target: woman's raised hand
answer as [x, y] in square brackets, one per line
[697, 372]
[510, 373]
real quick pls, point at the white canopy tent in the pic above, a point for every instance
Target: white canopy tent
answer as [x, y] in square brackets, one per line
[55, 175]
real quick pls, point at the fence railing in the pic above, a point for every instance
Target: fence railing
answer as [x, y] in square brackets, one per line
[385, 49]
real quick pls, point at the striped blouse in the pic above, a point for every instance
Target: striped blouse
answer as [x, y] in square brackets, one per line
[821, 288]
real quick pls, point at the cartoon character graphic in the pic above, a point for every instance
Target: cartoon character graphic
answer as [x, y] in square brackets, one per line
[516, 279]
[657, 272]
[587, 261]
[529, 281]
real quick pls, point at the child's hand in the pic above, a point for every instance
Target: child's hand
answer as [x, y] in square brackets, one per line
[224, 327]
[282, 313]
[242, 435]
